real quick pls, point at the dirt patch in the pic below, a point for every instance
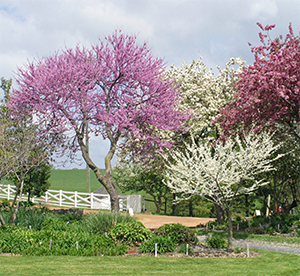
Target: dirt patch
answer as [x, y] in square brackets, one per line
[155, 221]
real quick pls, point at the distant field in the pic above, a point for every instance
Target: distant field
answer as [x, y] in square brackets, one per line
[72, 180]
[75, 180]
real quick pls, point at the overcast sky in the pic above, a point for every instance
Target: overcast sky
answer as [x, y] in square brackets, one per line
[176, 30]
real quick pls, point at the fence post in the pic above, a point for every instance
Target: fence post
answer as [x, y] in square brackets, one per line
[46, 197]
[75, 198]
[8, 192]
[92, 200]
[60, 197]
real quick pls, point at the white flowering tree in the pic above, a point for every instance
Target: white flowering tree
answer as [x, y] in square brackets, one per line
[204, 93]
[222, 171]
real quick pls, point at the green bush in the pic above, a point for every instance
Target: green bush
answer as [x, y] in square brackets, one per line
[177, 232]
[131, 233]
[164, 244]
[270, 231]
[102, 222]
[285, 229]
[216, 241]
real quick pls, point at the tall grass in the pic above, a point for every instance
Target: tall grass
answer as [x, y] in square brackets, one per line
[102, 222]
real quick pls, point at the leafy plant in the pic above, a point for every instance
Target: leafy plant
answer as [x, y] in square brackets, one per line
[52, 242]
[132, 233]
[164, 244]
[102, 222]
[216, 241]
[182, 249]
[177, 232]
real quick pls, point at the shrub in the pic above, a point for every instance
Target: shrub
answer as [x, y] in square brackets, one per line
[216, 241]
[270, 231]
[178, 233]
[102, 222]
[285, 229]
[164, 244]
[131, 233]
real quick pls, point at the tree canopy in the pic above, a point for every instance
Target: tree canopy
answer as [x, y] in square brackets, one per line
[268, 92]
[116, 87]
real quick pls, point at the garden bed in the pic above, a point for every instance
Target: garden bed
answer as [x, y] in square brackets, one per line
[200, 251]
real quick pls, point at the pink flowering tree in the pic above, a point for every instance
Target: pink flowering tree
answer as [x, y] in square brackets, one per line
[268, 92]
[116, 89]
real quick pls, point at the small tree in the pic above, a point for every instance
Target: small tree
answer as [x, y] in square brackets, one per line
[135, 177]
[36, 181]
[222, 171]
[117, 88]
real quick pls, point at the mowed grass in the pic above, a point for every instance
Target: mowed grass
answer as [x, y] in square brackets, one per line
[256, 237]
[72, 180]
[75, 180]
[269, 263]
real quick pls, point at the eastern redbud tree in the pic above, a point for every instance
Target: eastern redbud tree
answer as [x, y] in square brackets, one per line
[115, 89]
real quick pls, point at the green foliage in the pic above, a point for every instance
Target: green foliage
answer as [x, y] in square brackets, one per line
[50, 242]
[31, 217]
[182, 249]
[102, 222]
[270, 231]
[216, 241]
[285, 222]
[131, 233]
[54, 224]
[4, 205]
[131, 176]
[164, 244]
[177, 232]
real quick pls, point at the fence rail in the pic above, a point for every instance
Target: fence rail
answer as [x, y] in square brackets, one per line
[67, 199]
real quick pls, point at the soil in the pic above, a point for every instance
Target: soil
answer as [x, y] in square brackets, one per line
[155, 221]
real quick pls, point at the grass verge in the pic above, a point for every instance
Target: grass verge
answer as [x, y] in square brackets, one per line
[264, 238]
[270, 263]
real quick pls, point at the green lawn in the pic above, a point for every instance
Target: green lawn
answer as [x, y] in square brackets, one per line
[269, 264]
[245, 236]
[75, 180]
[72, 180]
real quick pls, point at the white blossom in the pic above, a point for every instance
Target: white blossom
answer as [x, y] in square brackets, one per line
[221, 171]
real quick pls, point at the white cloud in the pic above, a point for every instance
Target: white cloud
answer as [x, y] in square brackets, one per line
[176, 30]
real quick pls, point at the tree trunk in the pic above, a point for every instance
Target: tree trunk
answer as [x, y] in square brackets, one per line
[106, 180]
[247, 205]
[14, 210]
[173, 205]
[158, 203]
[191, 214]
[220, 213]
[2, 220]
[229, 247]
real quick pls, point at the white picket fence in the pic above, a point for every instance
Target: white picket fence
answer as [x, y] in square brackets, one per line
[68, 199]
